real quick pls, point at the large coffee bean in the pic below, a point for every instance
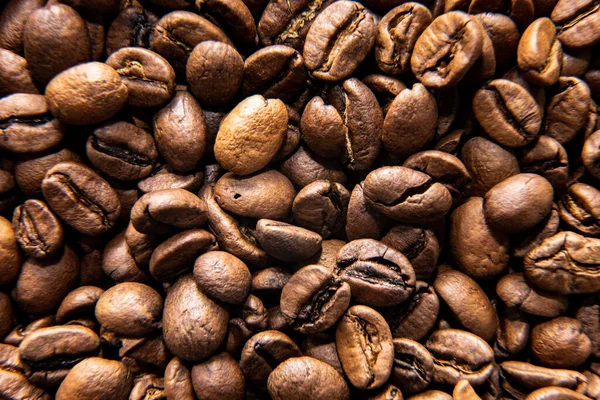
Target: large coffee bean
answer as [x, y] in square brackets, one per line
[96, 377]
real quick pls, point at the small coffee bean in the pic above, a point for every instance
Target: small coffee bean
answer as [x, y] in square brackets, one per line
[414, 318]
[38, 231]
[96, 377]
[223, 276]
[178, 381]
[304, 167]
[163, 177]
[119, 263]
[12, 22]
[322, 347]
[578, 208]
[80, 302]
[413, 366]
[540, 52]
[7, 317]
[555, 393]
[560, 343]
[287, 242]
[588, 314]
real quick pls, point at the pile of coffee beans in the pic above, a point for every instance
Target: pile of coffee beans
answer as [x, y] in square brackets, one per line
[299, 199]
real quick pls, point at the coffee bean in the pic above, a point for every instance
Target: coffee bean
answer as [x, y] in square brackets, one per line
[363, 221]
[515, 291]
[389, 392]
[102, 6]
[326, 56]
[577, 23]
[364, 344]
[560, 343]
[38, 231]
[131, 28]
[589, 154]
[578, 208]
[217, 377]
[15, 76]
[234, 18]
[7, 317]
[413, 366]
[304, 167]
[287, 242]
[148, 386]
[163, 177]
[548, 158]
[414, 318]
[10, 256]
[178, 381]
[96, 377]
[527, 377]
[12, 23]
[540, 52]
[80, 302]
[587, 314]
[321, 207]
[504, 34]
[555, 392]
[223, 276]
[431, 395]
[119, 263]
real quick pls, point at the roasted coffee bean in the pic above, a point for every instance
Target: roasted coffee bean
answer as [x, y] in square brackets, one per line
[178, 382]
[38, 231]
[525, 377]
[577, 23]
[131, 28]
[163, 177]
[578, 208]
[468, 303]
[96, 377]
[588, 314]
[327, 256]
[413, 366]
[263, 352]
[363, 221]
[234, 17]
[223, 276]
[389, 392]
[555, 392]
[26, 124]
[79, 303]
[102, 6]
[414, 318]
[540, 52]
[590, 154]
[406, 195]
[12, 22]
[218, 377]
[10, 255]
[304, 167]
[194, 326]
[513, 331]
[148, 387]
[364, 344]
[30, 170]
[548, 158]
[81, 198]
[322, 347]
[7, 317]
[447, 49]
[504, 34]
[322, 380]
[560, 343]
[287, 242]
[119, 263]
[377, 274]
[460, 355]
[431, 395]
[507, 113]
[418, 244]
[339, 40]
[515, 291]
[15, 76]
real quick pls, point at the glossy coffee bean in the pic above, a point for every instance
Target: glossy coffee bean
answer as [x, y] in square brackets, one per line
[413, 366]
[130, 28]
[96, 377]
[515, 291]
[38, 231]
[577, 23]
[15, 76]
[560, 343]
[414, 318]
[539, 53]
[548, 158]
[527, 377]
[79, 303]
[223, 276]
[578, 209]
[287, 242]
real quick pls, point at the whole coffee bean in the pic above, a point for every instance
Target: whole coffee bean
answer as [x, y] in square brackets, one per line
[16, 336]
[460, 355]
[122, 151]
[578, 208]
[560, 343]
[577, 23]
[12, 22]
[527, 377]
[447, 49]
[86, 94]
[96, 377]
[15, 76]
[518, 203]
[540, 52]
[14, 385]
[330, 59]
[254, 313]
[413, 366]
[130, 309]
[515, 291]
[178, 381]
[267, 194]
[263, 352]
[504, 34]
[378, 275]
[255, 123]
[51, 352]
[10, 255]
[79, 303]
[323, 381]
[38, 231]
[364, 344]
[569, 111]
[548, 158]
[180, 132]
[576, 62]
[194, 326]
[397, 34]
[119, 263]
[274, 72]
[130, 28]
[26, 124]
[234, 17]
[321, 207]
[555, 393]
[162, 210]
[304, 167]
[404, 131]
[405, 195]
[60, 28]
[363, 221]
[468, 303]
[214, 72]
[388, 392]
[218, 377]
[42, 284]
[418, 244]
[223, 276]
[149, 78]
[507, 113]
[314, 299]
[414, 318]
[81, 198]
[287, 242]
[385, 88]
[268, 282]
[176, 255]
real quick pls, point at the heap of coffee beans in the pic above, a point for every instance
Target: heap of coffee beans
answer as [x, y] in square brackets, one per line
[299, 199]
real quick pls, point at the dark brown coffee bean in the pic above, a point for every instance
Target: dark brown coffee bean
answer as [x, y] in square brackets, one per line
[406, 195]
[564, 263]
[176, 255]
[504, 34]
[577, 23]
[214, 72]
[269, 281]
[38, 231]
[101, 7]
[218, 377]
[326, 56]
[131, 28]
[560, 343]
[162, 210]
[263, 352]
[478, 251]
[468, 303]
[254, 123]
[79, 303]
[515, 291]
[322, 347]
[548, 158]
[30, 170]
[507, 112]
[119, 263]
[414, 318]
[314, 299]
[60, 28]
[578, 208]
[10, 255]
[26, 124]
[15, 76]
[223, 276]
[287, 242]
[194, 326]
[576, 62]
[588, 314]
[163, 177]
[540, 52]
[275, 72]
[485, 67]
[397, 34]
[321, 380]
[7, 317]
[12, 22]
[254, 313]
[148, 387]
[460, 355]
[526, 377]
[96, 377]
[362, 221]
[233, 17]
[178, 381]
[447, 49]
[304, 167]
[122, 151]
[267, 194]
[86, 94]
[81, 198]
[418, 244]
[385, 88]
[513, 331]
[555, 393]
[364, 344]
[413, 366]
[14, 385]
